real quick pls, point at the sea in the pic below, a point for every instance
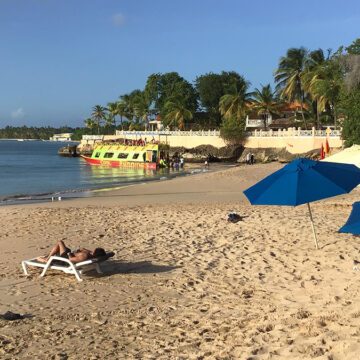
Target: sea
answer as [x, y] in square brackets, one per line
[32, 171]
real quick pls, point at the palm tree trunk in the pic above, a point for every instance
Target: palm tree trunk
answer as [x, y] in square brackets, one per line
[302, 110]
[265, 121]
[315, 107]
[335, 124]
[317, 118]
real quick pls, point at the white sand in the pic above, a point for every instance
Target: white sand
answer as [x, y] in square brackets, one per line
[185, 283]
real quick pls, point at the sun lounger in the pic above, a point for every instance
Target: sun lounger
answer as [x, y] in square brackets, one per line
[65, 265]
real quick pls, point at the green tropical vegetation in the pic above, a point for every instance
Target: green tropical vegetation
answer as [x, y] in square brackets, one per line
[265, 102]
[323, 86]
[41, 133]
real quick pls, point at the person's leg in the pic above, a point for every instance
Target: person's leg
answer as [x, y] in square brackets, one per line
[59, 248]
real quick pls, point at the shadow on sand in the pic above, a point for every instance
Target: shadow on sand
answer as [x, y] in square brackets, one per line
[141, 267]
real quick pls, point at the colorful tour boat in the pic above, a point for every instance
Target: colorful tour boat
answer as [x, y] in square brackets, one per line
[132, 154]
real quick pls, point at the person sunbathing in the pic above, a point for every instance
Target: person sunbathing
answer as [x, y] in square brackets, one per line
[79, 255]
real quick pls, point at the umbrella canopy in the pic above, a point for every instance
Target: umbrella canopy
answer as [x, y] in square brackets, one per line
[353, 223]
[303, 181]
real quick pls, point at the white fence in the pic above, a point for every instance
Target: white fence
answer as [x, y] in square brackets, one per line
[168, 133]
[92, 137]
[295, 132]
[291, 132]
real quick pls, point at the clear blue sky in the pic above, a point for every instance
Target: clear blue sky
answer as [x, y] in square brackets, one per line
[58, 58]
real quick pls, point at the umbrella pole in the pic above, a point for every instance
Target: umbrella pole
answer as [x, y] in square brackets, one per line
[313, 227]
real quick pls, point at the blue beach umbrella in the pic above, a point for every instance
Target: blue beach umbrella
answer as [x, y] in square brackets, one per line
[303, 181]
[352, 225]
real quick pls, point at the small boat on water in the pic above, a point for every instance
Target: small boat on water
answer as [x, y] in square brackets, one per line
[132, 154]
[68, 151]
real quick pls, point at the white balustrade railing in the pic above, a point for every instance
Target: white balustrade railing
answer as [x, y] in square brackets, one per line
[257, 133]
[93, 137]
[168, 133]
[295, 132]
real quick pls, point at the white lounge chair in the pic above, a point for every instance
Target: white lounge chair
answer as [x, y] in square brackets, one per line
[68, 267]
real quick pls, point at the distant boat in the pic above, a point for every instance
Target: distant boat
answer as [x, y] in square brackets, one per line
[20, 140]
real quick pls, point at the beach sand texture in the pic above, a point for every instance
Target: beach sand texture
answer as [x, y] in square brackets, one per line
[184, 283]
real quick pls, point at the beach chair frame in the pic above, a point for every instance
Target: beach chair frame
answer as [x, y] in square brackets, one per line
[73, 268]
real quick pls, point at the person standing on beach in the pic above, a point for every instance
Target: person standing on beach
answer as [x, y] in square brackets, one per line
[248, 158]
[207, 161]
[252, 159]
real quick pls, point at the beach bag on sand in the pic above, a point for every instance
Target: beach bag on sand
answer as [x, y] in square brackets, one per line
[9, 315]
[233, 217]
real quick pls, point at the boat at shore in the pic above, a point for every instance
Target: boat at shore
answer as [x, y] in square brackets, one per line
[131, 154]
[68, 151]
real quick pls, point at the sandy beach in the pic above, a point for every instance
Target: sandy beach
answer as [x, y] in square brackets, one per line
[184, 283]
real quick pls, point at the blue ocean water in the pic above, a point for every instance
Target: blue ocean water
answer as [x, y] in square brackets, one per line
[33, 170]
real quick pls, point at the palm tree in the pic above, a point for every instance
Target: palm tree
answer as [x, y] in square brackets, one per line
[126, 107]
[236, 102]
[325, 84]
[113, 109]
[128, 102]
[177, 113]
[142, 107]
[98, 115]
[316, 58]
[90, 123]
[288, 76]
[121, 105]
[109, 121]
[264, 102]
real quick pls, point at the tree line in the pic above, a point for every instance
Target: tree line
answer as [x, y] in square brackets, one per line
[324, 83]
[43, 133]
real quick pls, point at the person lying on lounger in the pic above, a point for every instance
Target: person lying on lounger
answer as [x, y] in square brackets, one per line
[60, 249]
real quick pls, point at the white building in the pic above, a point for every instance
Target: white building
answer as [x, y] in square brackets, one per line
[61, 137]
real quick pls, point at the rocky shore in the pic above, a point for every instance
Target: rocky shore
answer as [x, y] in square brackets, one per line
[230, 153]
[237, 153]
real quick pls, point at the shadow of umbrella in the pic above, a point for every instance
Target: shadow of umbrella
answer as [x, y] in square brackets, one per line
[303, 181]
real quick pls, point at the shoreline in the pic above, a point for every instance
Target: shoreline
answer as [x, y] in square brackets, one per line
[190, 170]
[200, 187]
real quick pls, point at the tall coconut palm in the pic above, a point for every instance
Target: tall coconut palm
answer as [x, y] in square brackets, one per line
[113, 109]
[264, 102]
[121, 105]
[129, 104]
[176, 113]
[235, 103]
[142, 107]
[127, 107]
[288, 76]
[90, 124]
[325, 85]
[316, 58]
[98, 115]
[109, 121]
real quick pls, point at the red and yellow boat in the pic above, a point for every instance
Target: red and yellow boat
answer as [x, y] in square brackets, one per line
[147, 156]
